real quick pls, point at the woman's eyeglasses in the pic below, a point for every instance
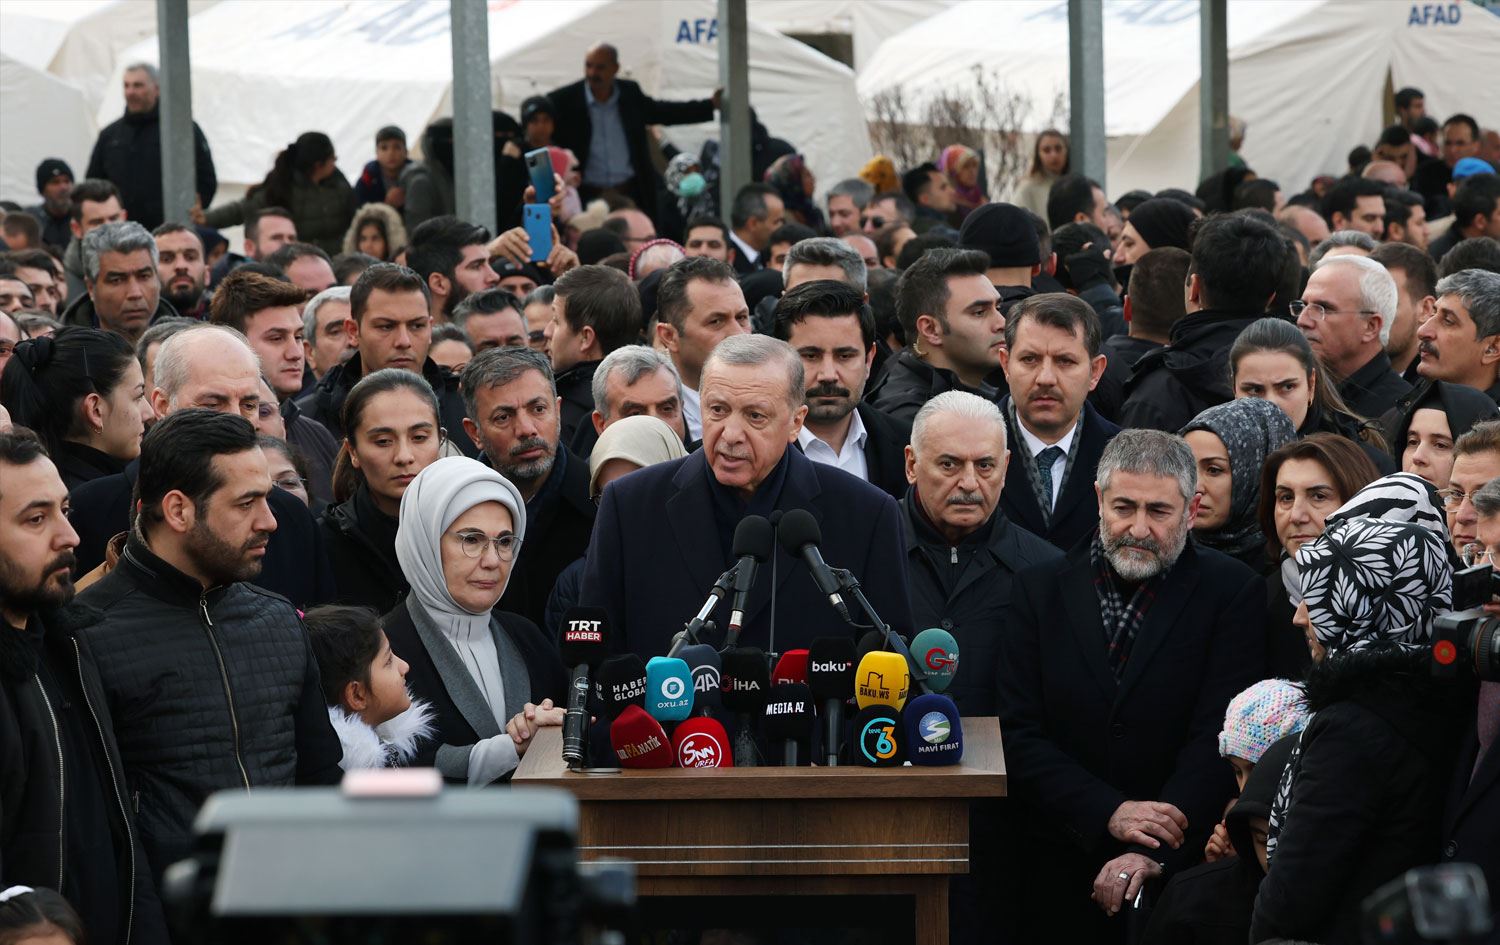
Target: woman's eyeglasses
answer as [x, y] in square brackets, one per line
[474, 543]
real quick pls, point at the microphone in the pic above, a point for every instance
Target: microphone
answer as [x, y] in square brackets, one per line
[936, 655]
[669, 689]
[702, 743]
[743, 684]
[800, 536]
[789, 720]
[934, 734]
[753, 545]
[882, 679]
[704, 664]
[583, 648]
[830, 676]
[791, 668]
[620, 683]
[869, 643]
[878, 737]
[639, 740]
[689, 634]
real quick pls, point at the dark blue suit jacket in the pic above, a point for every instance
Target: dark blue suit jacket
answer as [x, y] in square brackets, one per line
[1076, 514]
[656, 552]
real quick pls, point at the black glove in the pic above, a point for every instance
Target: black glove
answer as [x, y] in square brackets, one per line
[1088, 267]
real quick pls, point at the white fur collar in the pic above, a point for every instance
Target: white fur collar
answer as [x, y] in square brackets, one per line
[388, 745]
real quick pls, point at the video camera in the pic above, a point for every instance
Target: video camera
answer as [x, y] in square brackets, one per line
[1468, 640]
[1448, 903]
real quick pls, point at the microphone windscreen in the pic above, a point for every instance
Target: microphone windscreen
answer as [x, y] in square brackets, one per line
[791, 668]
[703, 661]
[934, 734]
[882, 679]
[669, 689]
[744, 679]
[789, 713]
[797, 529]
[830, 668]
[620, 682]
[874, 640]
[639, 740]
[702, 743]
[936, 654]
[754, 537]
[583, 637]
[877, 737]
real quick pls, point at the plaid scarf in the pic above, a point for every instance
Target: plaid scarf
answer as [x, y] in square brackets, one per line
[1122, 618]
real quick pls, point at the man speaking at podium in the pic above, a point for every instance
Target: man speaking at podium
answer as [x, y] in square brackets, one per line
[664, 534]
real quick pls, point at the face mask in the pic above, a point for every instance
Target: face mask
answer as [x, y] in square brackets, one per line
[692, 184]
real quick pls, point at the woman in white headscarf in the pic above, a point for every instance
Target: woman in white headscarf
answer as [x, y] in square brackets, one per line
[491, 677]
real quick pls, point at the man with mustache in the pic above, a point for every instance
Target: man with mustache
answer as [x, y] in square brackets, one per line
[1460, 342]
[833, 332]
[181, 269]
[515, 415]
[64, 824]
[1115, 668]
[211, 679]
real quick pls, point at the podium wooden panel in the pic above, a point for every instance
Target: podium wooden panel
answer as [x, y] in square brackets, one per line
[842, 831]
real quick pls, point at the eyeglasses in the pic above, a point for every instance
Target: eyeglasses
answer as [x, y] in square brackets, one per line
[290, 484]
[1453, 498]
[474, 543]
[1318, 311]
[1473, 555]
[877, 222]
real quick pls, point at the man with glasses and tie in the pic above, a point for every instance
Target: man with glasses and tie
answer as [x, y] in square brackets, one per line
[1346, 312]
[1476, 460]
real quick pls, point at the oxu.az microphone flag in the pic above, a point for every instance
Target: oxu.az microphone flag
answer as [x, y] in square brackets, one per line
[934, 734]
[669, 688]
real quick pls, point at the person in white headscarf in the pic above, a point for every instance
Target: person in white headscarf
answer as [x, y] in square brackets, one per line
[491, 677]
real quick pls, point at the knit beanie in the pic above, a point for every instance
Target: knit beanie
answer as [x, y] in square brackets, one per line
[1259, 716]
[1003, 232]
[1163, 222]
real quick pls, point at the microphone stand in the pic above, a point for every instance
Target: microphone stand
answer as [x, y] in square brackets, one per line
[689, 633]
[850, 585]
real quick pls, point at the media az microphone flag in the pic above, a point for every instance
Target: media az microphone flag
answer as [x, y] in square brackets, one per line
[620, 683]
[882, 679]
[934, 735]
[702, 743]
[669, 688]
[936, 655]
[877, 737]
[789, 722]
[791, 668]
[704, 663]
[639, 740]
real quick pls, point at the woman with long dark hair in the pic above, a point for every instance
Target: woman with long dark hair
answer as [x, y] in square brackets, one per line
[1050, 159]
[305, 180]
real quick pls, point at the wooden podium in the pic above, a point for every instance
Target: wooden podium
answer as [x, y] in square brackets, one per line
[785, 831]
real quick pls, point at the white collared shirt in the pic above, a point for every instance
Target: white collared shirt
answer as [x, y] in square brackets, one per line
[692, 413]
[851, 459]
[1059, 465]
[745, 252]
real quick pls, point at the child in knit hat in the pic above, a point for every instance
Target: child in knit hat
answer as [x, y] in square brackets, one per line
[1256, 719]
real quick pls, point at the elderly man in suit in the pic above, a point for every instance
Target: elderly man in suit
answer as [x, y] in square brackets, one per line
[664, 534]
[1115, 669]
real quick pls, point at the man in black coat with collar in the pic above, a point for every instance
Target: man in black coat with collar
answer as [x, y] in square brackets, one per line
[1053, 359]
[1346, 312]
[665, 533]
[603, 119]
[597, 309]
[1114, 673]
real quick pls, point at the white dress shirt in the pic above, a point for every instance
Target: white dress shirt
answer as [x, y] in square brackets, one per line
[744, 252]
[692, 413]
[851, 459]
[1059, 465]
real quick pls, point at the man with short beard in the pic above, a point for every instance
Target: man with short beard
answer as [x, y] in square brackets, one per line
[213, 679]
[65, 826]
[1115, 669]
[181, 269]
[453, 258]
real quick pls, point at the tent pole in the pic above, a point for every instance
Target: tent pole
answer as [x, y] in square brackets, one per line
[179, 177]
[473, 123]
[1213, 88]
[1086, 88]
[734, 116]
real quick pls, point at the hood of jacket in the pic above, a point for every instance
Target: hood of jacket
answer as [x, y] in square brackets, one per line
[390, 744]
[1255, 800]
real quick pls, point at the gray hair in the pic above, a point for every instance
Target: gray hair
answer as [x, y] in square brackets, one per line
[1150, 453]
[634, 362]
[175, 359]
[495, 367]
[857, 190]
[337, 293]
[1479, 290]
[827, 251]
[124, 236]
[1357, 238]
[757, 350]
[656, 257]
[160, 331]
[960, 404]
[145, 67]
[1377, 289]
[1487, 499]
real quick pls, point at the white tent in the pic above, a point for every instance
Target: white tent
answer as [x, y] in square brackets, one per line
[266, 70]
[42, 116]
[1307, 75]
[867, 22]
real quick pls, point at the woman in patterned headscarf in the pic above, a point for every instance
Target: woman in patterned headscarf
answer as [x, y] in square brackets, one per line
[961, 166]
[1361, 800]
[795, 184]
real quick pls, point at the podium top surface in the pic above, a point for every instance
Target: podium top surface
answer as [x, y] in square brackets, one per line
[981, 774]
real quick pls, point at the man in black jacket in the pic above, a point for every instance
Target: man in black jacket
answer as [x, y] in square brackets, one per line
[1237, 265]
[128, 151]
[603, 120]
[65, 820]
[119, 274]
[1153, 304]
[1346, 312]
[1114, 673]
[596, 310]
[211, 681]
[513, 413]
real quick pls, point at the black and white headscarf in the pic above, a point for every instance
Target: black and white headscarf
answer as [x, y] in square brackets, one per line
[1399, 497]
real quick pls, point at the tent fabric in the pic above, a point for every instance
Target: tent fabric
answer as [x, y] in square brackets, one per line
[42, 117]
[867, 22]
[256, 62]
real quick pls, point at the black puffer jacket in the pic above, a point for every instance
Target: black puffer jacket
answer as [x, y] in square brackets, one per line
[210, 690]
[1367, 791]
[325, 402]
[908, 382]
[1172, 385]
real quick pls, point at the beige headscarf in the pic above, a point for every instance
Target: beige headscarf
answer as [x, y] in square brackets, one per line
[642, 440]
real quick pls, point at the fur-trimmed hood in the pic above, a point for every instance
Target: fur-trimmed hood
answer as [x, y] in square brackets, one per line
[389, 745]
[387, 217]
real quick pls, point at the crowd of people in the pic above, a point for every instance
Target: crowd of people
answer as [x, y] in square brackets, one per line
[1187, 475]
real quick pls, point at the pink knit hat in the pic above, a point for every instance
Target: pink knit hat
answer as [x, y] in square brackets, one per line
[1261, 715]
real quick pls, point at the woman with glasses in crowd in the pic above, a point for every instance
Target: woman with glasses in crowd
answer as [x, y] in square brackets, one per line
[490, 677]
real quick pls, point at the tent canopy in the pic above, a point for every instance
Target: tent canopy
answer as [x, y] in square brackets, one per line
[867, 22]
[264, 71]
[43, 117]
